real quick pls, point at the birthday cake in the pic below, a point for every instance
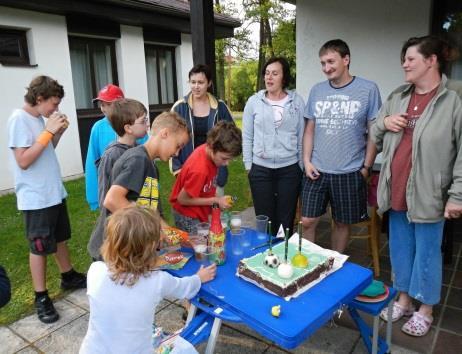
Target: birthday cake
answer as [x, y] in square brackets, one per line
[254, 270]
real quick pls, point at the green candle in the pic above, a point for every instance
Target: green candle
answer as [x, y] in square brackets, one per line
[286, 251]
[300, 237]
[270, 238]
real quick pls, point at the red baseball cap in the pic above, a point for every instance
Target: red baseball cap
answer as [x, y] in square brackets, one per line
[109, 93]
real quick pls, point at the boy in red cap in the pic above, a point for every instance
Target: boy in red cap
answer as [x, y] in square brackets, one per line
[102, 134]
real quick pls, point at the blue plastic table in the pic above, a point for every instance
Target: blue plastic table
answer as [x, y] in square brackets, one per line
[231, 298]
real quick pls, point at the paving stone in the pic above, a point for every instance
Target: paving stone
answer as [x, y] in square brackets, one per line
[452, 320]
[66, 339]
[28, 350]
[395, 349]
[10, 342]
[448, 343]
[31, 328]
[79, 298]
[231, 341]
[170, 318]
[455, 298]
[327, 339]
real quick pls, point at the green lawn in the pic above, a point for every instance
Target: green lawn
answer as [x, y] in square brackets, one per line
[14, 250]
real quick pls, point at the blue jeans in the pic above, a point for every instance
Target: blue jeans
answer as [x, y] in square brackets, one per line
[415, 252]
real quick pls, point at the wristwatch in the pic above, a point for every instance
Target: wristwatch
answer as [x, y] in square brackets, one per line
[368, 169]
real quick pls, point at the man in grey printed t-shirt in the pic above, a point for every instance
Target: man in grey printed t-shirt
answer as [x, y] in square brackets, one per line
[337, 152]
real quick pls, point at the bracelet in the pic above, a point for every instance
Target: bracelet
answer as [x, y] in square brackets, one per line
[45, 137]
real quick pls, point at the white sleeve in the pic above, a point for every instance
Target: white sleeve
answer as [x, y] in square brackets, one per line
[180, 288]
[20, 134]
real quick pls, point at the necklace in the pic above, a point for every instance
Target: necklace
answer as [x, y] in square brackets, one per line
[422, 98]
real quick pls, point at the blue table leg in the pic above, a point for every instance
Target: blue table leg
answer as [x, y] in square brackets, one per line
[378, 345]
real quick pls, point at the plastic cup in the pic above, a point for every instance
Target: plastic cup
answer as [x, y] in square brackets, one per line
[235, 221]
[204, 255]
[199, 244]
[261, 224]
[237, 240]
[203, 229]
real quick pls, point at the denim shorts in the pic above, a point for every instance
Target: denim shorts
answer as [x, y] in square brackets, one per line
[47, 227]
[415, 254]
[346, 193]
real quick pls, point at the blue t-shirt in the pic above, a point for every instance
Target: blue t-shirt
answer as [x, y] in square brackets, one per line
[341, 116]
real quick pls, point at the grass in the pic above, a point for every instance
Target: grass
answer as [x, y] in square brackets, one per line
[14, 250]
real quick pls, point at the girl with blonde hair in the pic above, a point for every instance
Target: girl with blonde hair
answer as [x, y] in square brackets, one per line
[125, 289]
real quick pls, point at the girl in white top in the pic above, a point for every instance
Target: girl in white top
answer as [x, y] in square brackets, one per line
[125, 289]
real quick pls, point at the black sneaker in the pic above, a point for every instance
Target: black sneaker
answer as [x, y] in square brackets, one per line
[78, 281]
[46, 312]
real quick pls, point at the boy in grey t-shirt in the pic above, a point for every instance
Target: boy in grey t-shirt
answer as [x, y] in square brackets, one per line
[337, 152]
[39, 189]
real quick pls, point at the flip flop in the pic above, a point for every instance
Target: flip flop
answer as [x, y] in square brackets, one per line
[397, 312]
[418, 325]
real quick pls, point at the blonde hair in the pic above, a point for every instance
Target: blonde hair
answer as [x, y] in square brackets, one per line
[129, 249]
[171, 121]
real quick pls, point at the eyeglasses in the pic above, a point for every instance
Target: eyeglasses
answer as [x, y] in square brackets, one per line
[145, 121]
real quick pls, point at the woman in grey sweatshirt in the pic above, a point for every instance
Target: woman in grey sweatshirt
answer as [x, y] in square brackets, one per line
[273, 126]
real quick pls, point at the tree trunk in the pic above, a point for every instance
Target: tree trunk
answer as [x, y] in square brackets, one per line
[220, 60]
[265, 50]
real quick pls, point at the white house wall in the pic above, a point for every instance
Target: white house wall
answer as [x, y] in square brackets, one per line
[49, 48]
[374, 30]
[184, 63]
[50, 51]
[131, 63]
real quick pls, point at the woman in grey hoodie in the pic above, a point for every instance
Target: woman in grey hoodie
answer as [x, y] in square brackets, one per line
[272, 134]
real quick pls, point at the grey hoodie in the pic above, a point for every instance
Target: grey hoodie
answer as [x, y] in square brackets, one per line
[266, 145]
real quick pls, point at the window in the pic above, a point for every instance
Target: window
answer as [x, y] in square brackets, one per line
[93, 66]
[161, 75]
[447, 23]
[13, 47]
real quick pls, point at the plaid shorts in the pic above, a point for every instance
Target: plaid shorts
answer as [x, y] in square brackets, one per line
[346, 193]
[183, 222]
[47, 227]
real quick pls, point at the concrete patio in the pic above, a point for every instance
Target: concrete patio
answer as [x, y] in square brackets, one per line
[28, 335]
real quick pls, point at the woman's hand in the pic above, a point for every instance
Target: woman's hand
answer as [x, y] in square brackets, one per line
[311, 171]
[208, 273]
[452, 210]
[395, 122]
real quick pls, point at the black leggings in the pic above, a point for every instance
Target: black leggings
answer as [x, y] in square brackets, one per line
[275, 193]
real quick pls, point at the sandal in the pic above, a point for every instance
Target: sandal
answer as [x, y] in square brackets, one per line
[418, 325]
[397, 312]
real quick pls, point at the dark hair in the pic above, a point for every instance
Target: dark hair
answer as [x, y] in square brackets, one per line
[428, 46]
[201, 68]
[337, 45]
[124, 111]
[286, 76]
[225, 137]
[45, 87]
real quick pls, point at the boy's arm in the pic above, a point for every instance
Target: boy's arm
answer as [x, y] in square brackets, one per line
[26, 156]
[116, 198]
[187, 200]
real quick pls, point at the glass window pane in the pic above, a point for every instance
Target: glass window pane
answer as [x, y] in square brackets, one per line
[102, 64]
[166, 76]
[151, 73]
[81, 76]
[10, 46]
